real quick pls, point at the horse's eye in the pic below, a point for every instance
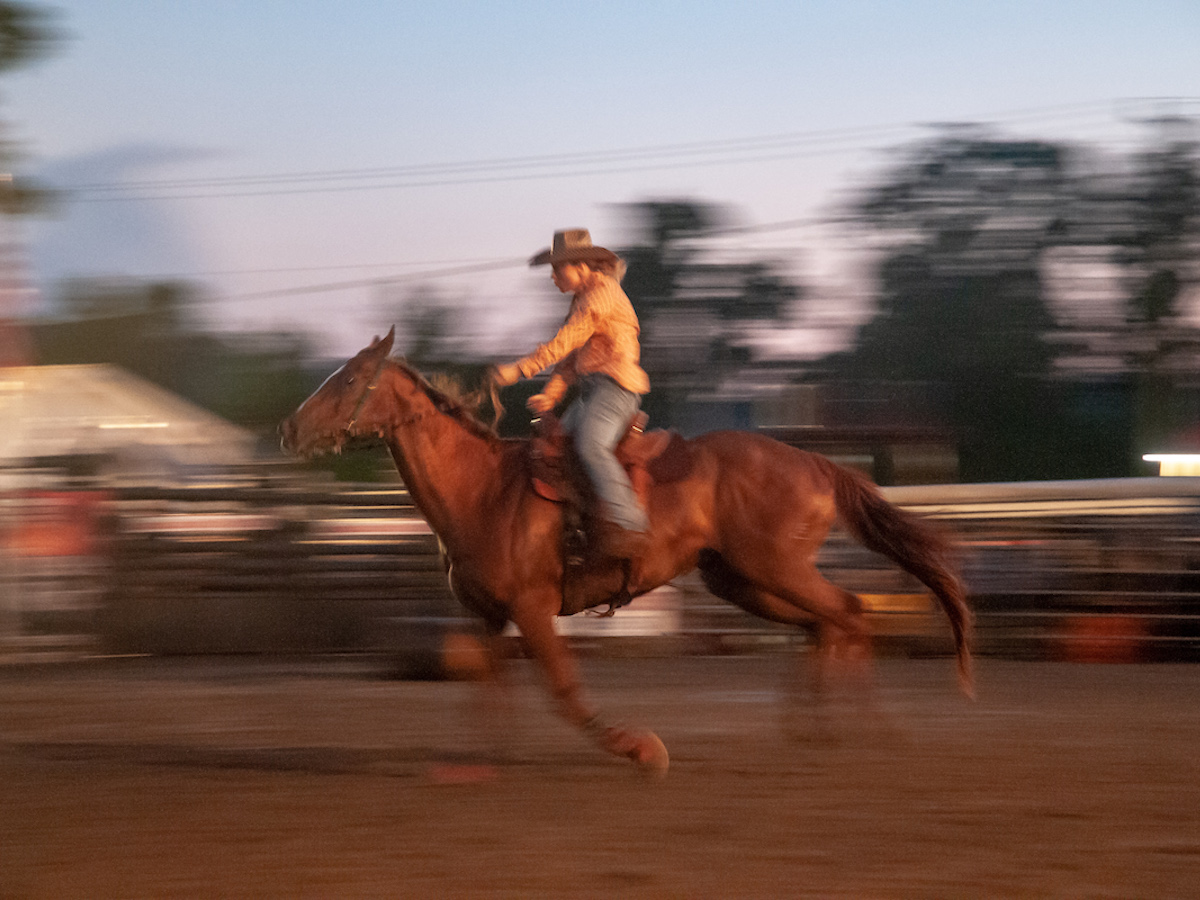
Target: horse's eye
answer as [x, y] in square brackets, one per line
[349, 380]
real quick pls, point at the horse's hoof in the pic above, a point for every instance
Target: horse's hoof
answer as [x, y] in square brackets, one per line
[651, 755]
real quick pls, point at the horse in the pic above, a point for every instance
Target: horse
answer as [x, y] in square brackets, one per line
[751, 514]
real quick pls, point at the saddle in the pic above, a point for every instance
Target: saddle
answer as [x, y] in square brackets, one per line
[556, 474]
[649, 457]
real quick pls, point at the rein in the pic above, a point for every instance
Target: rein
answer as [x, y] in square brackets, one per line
[476, 399]
[497, 406]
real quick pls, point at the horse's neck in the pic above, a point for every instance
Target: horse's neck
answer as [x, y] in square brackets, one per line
[441, 462]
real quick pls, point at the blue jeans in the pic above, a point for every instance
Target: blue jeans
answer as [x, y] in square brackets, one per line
[598, 420]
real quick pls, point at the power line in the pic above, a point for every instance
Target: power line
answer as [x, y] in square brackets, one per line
[285, 270]
[505, 163]
[328, 287]
[506, 176]
[491, 265]
[704, 153]
[758, 149]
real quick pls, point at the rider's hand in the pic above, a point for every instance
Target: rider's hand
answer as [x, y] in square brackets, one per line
[540, 404]
[506, 374]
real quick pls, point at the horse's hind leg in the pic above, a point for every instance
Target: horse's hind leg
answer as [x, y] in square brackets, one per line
[841, 654]
[726, 582]
[844, 640]
[810, 602]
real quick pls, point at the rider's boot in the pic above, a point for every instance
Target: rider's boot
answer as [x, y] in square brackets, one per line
[611, 541]
[615, 542]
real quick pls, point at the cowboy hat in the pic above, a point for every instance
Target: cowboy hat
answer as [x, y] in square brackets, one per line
[572, 245]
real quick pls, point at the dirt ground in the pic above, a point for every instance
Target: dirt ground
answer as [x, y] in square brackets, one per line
[271, 778]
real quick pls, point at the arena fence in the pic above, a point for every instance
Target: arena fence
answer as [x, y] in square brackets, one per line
[1073, 570]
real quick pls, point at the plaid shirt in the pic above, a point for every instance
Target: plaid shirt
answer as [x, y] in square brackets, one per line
[600, 335]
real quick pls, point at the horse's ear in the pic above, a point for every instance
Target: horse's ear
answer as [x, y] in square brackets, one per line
[384, 344]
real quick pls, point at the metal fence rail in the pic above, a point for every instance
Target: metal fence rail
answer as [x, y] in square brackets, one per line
[1094, 570]
[1075, 570]
[270, 568]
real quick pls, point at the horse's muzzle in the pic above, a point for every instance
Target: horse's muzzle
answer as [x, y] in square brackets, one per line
[287, 434]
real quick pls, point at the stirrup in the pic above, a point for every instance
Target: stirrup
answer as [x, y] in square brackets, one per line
[622, 598]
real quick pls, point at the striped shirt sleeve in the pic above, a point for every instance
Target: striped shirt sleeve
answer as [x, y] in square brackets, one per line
[574, 333]
[601, 331]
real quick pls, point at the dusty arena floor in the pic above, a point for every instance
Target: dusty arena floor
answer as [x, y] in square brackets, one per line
[250, 778]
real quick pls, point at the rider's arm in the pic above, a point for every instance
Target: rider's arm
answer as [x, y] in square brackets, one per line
[563, 377]
[574, 333]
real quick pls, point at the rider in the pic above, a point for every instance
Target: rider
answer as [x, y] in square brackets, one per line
[596, 346]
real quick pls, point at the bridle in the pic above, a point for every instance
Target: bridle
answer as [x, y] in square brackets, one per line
[348, 428]
[362, 401]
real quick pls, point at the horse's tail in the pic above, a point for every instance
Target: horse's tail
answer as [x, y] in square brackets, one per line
[915, 546]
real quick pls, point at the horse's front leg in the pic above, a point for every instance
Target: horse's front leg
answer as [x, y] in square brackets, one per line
[493, 702]
[558, 665]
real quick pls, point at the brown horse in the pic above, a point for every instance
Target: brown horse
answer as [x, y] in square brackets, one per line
[751, 514]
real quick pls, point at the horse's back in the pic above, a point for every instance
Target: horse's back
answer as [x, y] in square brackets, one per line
[764, 495]
[746, 456]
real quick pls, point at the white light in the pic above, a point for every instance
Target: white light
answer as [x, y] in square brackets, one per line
[111, 426]
[1175, 463]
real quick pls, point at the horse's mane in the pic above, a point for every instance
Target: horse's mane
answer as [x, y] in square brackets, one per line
[450, 398]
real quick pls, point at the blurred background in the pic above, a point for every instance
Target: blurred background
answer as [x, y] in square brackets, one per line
[958, 248]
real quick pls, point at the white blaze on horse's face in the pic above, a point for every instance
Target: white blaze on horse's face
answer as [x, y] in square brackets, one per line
[328, 417]
[302, 433]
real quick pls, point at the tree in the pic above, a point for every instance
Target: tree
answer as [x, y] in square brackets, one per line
[429, 327]
[662, 251]
[961, 304]
[1139, 222]
[1159, 248]
[696, 314]
[27, 33]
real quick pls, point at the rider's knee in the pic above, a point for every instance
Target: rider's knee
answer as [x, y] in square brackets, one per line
[593, 453]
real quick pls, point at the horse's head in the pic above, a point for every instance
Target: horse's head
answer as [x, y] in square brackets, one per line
[340, 408]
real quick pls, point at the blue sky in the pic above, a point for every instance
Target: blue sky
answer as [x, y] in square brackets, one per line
[175, 92]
